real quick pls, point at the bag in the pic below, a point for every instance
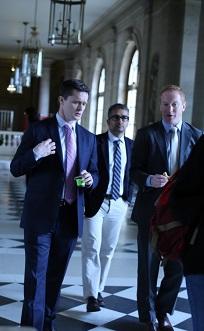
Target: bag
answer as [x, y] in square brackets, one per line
[169, 235]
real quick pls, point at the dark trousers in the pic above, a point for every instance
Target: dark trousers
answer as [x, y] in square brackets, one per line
[46, 259]
[150, 300]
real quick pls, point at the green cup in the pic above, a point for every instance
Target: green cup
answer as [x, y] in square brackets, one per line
[79, 181]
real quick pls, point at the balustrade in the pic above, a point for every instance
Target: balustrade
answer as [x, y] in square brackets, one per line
[9, 141]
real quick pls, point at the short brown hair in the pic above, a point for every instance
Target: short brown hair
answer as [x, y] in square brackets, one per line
[174, 88]
[67, 87]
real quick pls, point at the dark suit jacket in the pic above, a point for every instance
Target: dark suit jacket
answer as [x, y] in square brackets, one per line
[94, 199]
[149, 157]
[46, 177]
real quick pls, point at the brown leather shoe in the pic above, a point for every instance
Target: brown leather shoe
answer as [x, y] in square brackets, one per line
[164, 324]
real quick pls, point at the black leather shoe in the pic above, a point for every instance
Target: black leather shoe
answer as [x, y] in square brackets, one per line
[92, 305]
[100, 300]
[164, 324]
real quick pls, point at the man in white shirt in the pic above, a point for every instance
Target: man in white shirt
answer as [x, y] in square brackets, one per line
[106, 206]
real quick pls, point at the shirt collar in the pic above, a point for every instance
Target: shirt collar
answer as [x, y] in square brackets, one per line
[168, 126]
[61, 122]
[113, 138]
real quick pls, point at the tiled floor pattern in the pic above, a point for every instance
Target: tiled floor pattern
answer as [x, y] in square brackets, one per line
[11, 197]
[120, 312]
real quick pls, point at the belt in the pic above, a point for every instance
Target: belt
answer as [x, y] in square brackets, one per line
[110, 197]
[62, 203]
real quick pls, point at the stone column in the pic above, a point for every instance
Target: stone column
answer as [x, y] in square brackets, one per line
[69, 68]
[44, 93]
[189, 54]
[198, 102]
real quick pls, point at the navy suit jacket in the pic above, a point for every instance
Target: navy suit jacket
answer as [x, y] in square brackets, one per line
[46, 177]
[149, 157]
[94, 199]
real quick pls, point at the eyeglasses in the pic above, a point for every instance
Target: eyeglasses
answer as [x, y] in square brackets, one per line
[118, 117]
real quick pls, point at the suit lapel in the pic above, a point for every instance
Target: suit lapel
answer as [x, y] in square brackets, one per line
[127, 153]
[161, 141]
[185, 140]
[127, 167]
[54, 135]
[105, 150]
[80, 145]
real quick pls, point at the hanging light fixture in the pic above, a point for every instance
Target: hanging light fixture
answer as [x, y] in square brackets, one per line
[17, 74]
[66, 22]
[32, 52]
[15, 84]
[12, 68]
[11, 87]
[26, 74]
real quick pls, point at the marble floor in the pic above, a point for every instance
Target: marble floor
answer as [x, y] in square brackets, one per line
[120, 312]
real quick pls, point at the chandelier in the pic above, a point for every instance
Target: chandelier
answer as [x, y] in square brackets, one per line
[17, 74]
[30, 63]
[15, 84]
[66, 22]
[11, 87]
[32, 54]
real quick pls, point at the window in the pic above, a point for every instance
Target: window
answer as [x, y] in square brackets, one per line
[100, 102]
[132, 87]
[128, 83]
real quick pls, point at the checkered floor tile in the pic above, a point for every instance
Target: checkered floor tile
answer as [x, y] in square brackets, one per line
[119, 313]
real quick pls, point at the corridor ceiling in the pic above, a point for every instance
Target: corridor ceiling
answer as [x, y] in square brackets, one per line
[14, 12]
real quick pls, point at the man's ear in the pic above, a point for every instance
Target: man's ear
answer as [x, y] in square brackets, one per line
[184, 106]
[60, 99]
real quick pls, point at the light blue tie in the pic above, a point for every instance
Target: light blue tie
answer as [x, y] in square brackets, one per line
[115, 188]
[174, 150]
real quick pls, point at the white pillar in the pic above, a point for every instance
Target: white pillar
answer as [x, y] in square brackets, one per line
[189, 54]
[44, 93]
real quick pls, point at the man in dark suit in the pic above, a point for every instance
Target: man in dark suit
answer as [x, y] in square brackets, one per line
[53, 209]
[150, 170]
[104, 209]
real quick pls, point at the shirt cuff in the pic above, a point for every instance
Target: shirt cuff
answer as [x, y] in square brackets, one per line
[148, 181]
[35, 155]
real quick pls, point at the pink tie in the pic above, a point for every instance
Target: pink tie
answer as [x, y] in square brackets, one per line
[70, 164]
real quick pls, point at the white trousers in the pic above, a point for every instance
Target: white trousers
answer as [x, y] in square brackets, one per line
[99, 240]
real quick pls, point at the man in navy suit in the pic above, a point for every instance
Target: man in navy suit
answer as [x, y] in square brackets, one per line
[51, 221]
[150, 170]
[105, 212]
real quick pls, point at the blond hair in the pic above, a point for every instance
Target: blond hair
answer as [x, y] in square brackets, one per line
[174, 88]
